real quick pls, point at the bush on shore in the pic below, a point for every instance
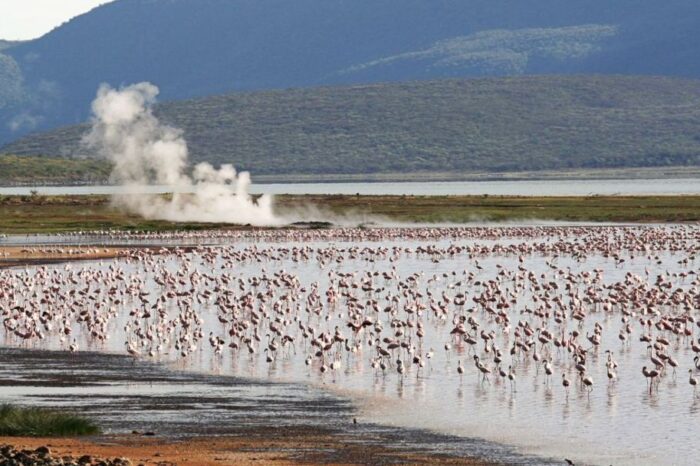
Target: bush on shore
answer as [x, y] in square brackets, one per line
[18, 421]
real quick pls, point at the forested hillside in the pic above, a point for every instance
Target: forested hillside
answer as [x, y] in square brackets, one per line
[468, 125]
[194, 48]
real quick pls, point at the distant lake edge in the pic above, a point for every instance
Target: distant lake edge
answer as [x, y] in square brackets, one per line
[523, 187]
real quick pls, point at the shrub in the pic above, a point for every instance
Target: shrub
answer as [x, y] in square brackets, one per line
[41, 422]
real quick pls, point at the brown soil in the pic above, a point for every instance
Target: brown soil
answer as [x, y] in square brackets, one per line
[21, 255]
[278, 448]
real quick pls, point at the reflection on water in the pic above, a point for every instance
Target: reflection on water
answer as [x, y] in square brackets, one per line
[533, 276]
[126, 395]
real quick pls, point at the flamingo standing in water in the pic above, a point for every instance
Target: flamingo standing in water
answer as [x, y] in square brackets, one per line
[651, 375]
[692, 380]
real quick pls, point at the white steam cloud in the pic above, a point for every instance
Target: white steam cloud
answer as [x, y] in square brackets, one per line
[146, 152]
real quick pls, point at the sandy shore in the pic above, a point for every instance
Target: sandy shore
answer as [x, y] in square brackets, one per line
[20, 255]
[278, 447]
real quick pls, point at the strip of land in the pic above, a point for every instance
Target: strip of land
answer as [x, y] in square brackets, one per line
[275, 446]
[54, 214]
[28, 254]
[638, 173]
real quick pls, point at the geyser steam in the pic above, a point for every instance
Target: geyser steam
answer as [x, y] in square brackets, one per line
[146, 153]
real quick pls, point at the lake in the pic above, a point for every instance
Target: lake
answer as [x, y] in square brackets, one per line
[494, 188]
[409, 279]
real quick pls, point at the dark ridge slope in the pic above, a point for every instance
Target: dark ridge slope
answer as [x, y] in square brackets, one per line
[495, 124]
[194, 48]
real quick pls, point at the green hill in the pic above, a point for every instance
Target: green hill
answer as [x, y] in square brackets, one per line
[197, 48]
[51, 170]
[477, 125]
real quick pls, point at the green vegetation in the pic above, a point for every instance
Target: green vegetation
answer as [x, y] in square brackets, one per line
[53, 214]
[40, 422]
[459, 209]
[14, 169]
[458, 126]
[198, 48]
[50, 214]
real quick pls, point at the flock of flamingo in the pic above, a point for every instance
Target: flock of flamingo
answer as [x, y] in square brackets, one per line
[494, 303]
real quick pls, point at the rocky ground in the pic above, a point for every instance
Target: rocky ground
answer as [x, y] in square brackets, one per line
[42, 456]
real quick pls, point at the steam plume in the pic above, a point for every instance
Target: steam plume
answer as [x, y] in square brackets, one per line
[146, 152]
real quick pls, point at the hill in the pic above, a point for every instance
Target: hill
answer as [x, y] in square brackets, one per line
[5, 44]
[51, 170]
[467, 125]
[197, 48]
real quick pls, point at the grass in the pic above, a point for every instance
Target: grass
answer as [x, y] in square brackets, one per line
[52, 214]
[460, 209]
[18, 421]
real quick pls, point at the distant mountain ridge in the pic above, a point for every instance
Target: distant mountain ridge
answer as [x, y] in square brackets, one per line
[458, 125]
[8, 43]
[193, 48]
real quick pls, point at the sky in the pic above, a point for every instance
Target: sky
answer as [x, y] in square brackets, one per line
[28, 19]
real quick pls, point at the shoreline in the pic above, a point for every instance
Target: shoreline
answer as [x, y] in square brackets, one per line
[632, 173]
[269, 446]
[296, 436]
[81, 213]
[339, 434]
[13, 256]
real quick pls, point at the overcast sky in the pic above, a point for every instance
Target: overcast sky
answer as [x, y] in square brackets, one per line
[27, 19]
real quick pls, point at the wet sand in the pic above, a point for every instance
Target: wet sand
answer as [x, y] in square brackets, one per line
[35, 255]
[268, 446]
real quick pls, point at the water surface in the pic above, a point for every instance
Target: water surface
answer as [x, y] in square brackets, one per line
[616, 423]
[591, 187]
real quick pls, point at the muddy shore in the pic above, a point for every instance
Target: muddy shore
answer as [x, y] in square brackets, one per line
[278, 447]
[198, 418]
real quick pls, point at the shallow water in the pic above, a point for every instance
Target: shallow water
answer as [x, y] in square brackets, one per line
[126, 395]
[616, 423]
[590, 187]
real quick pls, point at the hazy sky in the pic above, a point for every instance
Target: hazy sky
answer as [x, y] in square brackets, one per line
[27, 19]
